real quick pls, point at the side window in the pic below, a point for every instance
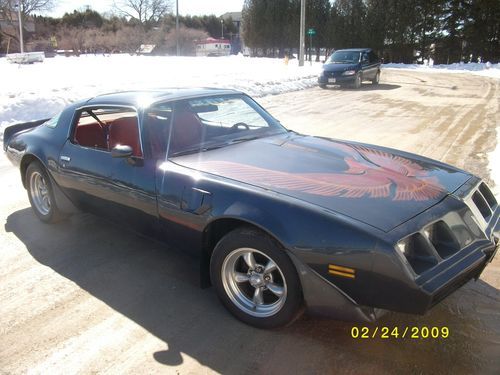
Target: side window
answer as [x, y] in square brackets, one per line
[157, 121]
[105, 128]
[373, 57]
[364, 58]
[52, 123]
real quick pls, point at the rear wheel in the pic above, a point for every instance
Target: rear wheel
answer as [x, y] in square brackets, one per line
[255, 279]
[41, 194]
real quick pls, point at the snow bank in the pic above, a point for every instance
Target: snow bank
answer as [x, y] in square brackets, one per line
[37, 91]
[483, 69]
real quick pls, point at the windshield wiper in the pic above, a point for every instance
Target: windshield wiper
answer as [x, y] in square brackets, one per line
[213, 147]
[243, 139]
[194, 150]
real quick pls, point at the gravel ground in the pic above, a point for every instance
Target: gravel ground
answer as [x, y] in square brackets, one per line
[85, 296]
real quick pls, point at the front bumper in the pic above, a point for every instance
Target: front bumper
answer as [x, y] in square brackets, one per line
[447, 277]
[331, 78]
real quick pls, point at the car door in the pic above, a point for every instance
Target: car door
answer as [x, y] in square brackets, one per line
[374, 63]
[369, 65]
[122, 188]
[180, 204]
[85, 163]
[365, 66]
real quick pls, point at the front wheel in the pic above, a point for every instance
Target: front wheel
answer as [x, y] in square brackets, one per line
[357, 82]
[255, 279]
[41, 194]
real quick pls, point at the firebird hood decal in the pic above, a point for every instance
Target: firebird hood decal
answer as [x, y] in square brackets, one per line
[370, 173]
[380, 187]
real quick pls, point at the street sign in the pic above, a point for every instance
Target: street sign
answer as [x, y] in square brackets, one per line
[311, 32]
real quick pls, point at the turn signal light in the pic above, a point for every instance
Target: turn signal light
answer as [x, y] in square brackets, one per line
[341, 271]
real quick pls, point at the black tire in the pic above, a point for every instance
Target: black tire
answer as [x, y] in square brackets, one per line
[376, 80]
[322, 86]
[357, 82]
[52, 214]
[245, 238]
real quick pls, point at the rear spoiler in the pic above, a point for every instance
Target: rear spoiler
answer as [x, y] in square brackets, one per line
[13, 129]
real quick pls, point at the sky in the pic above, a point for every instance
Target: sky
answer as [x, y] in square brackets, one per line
[192, 7]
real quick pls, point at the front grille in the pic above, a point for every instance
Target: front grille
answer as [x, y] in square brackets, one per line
[427, 248]
[484, 201]
[332, 74]
[452, 233]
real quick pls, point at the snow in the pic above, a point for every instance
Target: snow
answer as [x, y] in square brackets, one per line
[484, 69]
[36, 91]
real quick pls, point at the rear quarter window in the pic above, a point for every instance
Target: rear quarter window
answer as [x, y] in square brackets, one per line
[52, 123]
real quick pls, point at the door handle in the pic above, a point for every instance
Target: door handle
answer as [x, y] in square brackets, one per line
[67, 159]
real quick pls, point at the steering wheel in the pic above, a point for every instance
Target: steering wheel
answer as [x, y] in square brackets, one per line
[240, 124]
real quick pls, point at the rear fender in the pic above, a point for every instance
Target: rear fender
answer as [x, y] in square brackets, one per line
[14, 129]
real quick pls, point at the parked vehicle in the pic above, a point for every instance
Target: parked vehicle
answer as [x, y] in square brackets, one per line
[350, 67]
[280, 221]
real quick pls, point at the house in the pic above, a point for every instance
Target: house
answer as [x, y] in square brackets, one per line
[213, 47]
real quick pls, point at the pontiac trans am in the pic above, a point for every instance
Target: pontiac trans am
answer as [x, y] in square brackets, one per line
[281, 222]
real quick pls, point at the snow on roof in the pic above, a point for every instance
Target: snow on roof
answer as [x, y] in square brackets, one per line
[213, 40]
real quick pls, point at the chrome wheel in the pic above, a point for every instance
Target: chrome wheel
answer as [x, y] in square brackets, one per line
[40, 193]
[254, 282]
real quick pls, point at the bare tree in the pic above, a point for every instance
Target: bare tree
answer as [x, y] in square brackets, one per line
[144, 11]
[71, 38]
[187, 40]
[9, 14]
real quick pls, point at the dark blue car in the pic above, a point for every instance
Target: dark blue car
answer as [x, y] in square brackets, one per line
[279, 222]
[350, 67]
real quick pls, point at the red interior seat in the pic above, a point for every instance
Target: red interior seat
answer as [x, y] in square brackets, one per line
[91, 135]
[124, 131]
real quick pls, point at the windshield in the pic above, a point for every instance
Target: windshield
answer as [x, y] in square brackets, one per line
[344, 57]
[201, 124]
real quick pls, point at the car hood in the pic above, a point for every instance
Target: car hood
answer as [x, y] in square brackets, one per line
[378, 186]
[339, 67]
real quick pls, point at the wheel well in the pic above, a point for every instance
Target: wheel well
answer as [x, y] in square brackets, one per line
[26, 160]
[212, 234]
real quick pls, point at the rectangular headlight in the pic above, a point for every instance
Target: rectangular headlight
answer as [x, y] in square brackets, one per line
[403, 246]
[349, 73]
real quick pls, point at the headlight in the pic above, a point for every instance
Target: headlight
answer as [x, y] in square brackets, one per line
[403, 246]
[349, 73]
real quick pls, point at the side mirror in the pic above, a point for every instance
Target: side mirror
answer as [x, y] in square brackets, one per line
[121, 151]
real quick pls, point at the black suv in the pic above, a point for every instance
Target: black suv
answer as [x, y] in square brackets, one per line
[350, 66]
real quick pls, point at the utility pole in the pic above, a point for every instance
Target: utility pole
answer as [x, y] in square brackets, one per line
[302, 31]
[177, 27]
[21, 42]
